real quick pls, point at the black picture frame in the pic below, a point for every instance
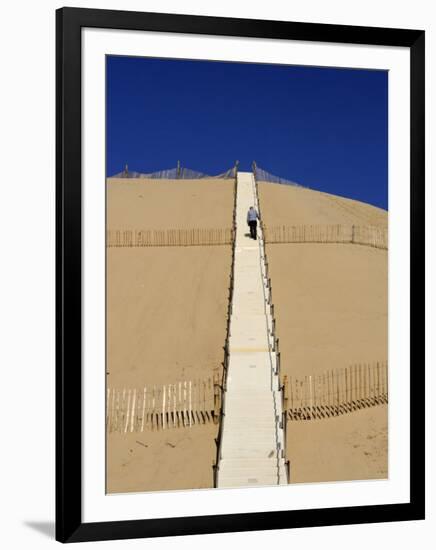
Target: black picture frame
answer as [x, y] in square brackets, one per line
[69, 525]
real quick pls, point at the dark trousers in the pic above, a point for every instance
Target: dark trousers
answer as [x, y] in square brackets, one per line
[253, 229]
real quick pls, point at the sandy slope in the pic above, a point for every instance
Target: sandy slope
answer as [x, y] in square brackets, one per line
[166, 313]
[166, 322]
[331, 306]
[169, 204]
[353, 446]
[330, 302]
[179, 458]
[287, 205]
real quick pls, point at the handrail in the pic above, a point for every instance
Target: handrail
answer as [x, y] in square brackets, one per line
[218, 439]
[273, 347]
[285, 415]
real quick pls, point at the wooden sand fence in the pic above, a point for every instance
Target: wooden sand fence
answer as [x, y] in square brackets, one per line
[367, 235]
[336, 392]
[183, 404]
[169, 237]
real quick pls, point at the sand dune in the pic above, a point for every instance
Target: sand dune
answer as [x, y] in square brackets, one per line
[166, 204]
[348, 447]
[331, 306]
[288, 205]
[166, 460]
[166, 322]
[330, 302]
[166, 313]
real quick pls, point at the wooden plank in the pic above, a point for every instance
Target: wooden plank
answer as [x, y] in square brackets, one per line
[190, 403]
[184, 403]
[378, 380]
[143, 408]
[122, 410]
[164, 397]
[126, 422]
[133, 410]
[347, 384]
[117, 411]
[179, 403]
[153, 408]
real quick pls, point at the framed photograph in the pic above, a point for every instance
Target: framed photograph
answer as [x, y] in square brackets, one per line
[240, 275]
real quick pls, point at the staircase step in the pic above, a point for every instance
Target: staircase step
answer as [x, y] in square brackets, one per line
[229, 475]
[248, 482]
[238, 452]
[249, 463]
[250, 470]
[267, 443]
[239, 430]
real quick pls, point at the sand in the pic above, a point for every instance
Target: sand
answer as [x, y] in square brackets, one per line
[173, 459]
[330, 303]
[169, 204]
[331, 309]
[288, 205]
[349, 447]
[167, 311]
[166, 322]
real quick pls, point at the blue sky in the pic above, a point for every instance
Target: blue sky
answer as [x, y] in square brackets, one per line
[324, 128]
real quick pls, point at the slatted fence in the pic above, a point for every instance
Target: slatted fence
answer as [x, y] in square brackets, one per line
[169, 237]
[182, 404]
[367, 235]
[336, 392]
